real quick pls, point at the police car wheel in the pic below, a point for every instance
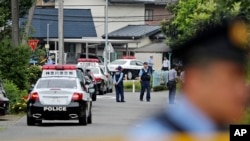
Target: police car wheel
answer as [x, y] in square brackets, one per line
[90, 117]
[83, 120]
[31, 121]
[94, 97]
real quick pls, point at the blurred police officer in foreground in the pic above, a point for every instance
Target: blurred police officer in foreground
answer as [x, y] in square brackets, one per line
[215, 90]
[118, 82]
[144, 77]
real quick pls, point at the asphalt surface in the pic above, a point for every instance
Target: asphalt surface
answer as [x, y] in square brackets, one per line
[110, 119]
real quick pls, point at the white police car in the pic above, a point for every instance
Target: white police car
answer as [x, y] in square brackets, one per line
[59, 95]
[131, 66]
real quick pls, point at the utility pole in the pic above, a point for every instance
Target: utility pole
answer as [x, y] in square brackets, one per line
[60, 32]
[15, 22]
[106, 36]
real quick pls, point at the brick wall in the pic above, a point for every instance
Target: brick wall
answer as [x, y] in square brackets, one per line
[159, 13]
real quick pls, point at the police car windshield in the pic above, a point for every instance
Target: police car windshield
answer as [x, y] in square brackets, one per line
[95, 70]
[57, 83]
[118, 62]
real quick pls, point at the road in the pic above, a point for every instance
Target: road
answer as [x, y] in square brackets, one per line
[110, 119]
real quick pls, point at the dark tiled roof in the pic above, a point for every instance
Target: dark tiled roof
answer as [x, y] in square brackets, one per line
[158, 36]
[154, 47]
[78, 23]
[134, 32]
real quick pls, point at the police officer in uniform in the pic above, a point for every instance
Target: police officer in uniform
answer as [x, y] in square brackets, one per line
[118, 82]
[214, 94]
[144, 77]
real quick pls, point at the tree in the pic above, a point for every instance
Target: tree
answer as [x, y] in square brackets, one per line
[14, 63]
[191, 16]
[5, 17]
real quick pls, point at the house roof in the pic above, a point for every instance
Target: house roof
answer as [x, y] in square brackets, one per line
[134, 32]
[78, 23]
[154, 47]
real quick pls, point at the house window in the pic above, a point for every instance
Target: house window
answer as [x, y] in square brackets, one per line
[148, 15]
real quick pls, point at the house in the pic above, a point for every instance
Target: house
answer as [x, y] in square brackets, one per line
[45, 26]
[123, 15]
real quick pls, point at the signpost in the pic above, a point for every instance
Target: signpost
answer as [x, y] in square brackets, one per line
[33, 43]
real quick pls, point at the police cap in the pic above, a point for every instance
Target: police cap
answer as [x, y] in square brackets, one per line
[225, 41]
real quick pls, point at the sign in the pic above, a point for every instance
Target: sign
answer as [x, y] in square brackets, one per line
[239, 132]
[33, 44]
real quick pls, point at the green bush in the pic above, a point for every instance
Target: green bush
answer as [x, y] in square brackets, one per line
[14, 62]
[246, 119]
[34, 73]
[159, 88]
[129, 85]
[15, 95]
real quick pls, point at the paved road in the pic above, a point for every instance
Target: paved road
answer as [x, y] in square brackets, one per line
[109, 119]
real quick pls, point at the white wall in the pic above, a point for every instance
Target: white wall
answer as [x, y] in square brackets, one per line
[98, 12]
[78, 48]
[157, 57]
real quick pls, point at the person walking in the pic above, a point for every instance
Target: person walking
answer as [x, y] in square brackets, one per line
[150, 64]
[118, 82]
[144, 77]
[165, 64]
[172, 80]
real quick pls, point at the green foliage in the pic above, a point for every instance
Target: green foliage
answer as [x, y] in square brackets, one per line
[129, 85]
[5, 10]
[14, 63]
[159, 88]
[34, 73]
[20, 106]
[191, 16]
[14, 94]
[246, 119]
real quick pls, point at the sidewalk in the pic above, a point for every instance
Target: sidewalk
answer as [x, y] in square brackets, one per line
[8, 120]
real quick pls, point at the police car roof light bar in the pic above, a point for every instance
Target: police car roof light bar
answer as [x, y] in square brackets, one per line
[59, 67]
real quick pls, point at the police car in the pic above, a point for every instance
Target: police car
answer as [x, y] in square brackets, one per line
[59, 95]
[103, 79]
[130, 65]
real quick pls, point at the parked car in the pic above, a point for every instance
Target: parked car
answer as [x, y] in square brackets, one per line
[102, 81]
[131, 67]
[4, 101]
[90, 56]
[59, 98]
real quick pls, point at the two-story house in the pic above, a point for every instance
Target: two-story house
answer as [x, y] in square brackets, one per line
[123, 15]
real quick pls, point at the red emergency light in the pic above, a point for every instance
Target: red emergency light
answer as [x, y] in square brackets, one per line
[88, 60]
[59, 67]
[128, 57]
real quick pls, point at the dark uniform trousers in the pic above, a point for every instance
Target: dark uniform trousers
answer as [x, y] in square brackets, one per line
[119, 88]
[145, 84]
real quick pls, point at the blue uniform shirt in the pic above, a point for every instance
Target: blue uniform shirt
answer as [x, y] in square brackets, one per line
[182, 113]
[140, 73]
[119, 80]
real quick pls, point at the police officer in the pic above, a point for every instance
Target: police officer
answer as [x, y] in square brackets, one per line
[144, 77]
[172, 80]
[118, 82]
[215, 93]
